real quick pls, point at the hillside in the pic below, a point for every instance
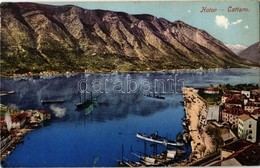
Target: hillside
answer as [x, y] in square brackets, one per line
[37, 37]
[252, 53]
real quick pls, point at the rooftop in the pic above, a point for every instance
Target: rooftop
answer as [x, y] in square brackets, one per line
[244, 117]
[236, 146]
[43, 112]
[256, 112]
[235, 110]
[249, 155]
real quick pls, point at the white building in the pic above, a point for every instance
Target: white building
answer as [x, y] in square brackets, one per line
[247, 128]
[247, 93]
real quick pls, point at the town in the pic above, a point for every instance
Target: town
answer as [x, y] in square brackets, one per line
[222, 123]
[15, 124]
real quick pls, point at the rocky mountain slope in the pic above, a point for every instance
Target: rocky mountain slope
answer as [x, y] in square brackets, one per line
[37, 37]
[252, 53]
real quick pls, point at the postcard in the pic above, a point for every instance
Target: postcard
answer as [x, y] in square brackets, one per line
[130, 83]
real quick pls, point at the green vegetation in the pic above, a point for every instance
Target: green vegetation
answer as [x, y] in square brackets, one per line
[215, 133]
[228, 88]
[211, 99]
[214, 99]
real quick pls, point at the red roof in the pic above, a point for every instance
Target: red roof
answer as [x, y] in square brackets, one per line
[211, 89]
[234, 101]
[256, 111]
[235, 110]
[244, 152]
[43, 112]
[14, 119]
[252, 104]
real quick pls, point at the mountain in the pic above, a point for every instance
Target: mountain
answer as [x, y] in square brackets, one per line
[252, 53]
[37, 37]
[236, 48]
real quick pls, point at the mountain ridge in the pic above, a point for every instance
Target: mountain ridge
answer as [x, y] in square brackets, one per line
[38, 37]
[251, 53]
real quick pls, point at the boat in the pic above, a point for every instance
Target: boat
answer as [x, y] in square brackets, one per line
[51, 101]
[155, 96]
[4, 93]
[157, 139]
[84, 104]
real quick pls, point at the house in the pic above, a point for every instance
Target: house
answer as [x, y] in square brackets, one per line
[234, 102]
[234, 99]
[247, 93]
[211, 90]
[228, 137]
[224, 98]
[247, 128]
[22, 117]
[240, 153]
[256, 113]
[231, 114]
[44, 115]
[251, 106]
[16, 124]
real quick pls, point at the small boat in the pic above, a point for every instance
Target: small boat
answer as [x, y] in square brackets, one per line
[4, 93]
[85, 104]
[157, 139]
[51, 101]
[155, 96]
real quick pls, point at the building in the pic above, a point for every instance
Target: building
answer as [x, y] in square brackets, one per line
[22, 117]
[256, 113]
[247, 128]
[247, 93]
[211, 90]
[231, 114]
[228, 137]
[251, 106]
[240, 153]
[44, 115]
[234, 102]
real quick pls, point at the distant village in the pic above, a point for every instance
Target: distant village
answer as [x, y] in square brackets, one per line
[15, 124]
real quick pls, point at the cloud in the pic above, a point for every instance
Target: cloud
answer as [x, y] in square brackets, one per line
[59, 112]
[222, 21]
[246, 27]
[189, 11]
[237, 22]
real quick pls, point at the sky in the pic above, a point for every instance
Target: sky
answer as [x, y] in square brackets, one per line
[221, 19]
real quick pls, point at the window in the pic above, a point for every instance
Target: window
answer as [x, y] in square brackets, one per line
[249, 137]
[250, 132]
[249, 126]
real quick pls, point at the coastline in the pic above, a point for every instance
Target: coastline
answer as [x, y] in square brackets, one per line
[72, 73]
[16, 140]
[196, 110]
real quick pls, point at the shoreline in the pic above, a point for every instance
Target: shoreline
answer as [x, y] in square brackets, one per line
[196, 110]
[72, 73]
[16, 140]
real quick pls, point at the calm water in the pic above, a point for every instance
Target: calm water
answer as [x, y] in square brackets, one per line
[96, 139]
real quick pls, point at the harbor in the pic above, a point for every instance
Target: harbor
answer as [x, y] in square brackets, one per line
[90, 136]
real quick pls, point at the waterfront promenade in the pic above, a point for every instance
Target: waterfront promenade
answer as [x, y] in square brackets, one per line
[196, 112]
